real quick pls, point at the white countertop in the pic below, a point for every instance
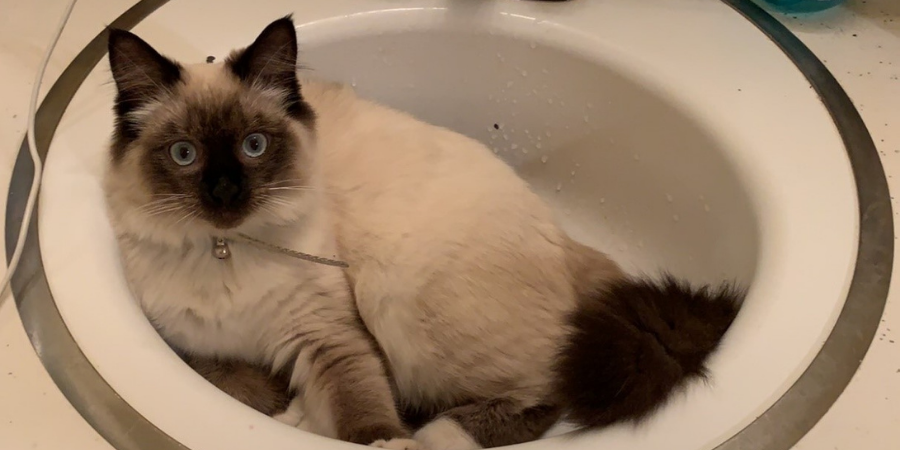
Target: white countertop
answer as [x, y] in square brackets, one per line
[859, 42]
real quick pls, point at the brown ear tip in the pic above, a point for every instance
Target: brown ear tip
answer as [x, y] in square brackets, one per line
[117, 36]
[285, 24]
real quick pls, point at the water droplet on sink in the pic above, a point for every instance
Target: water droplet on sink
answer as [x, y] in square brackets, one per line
[701, 197]
[676, 218]
[544, 159]
[538, 145]
[533, 45]
[514, 146]
[547, 133]
[602, 200]
[587, 119]
[558, 186]
[573, 173]
[669, 198]
[707, 208]
[550, 101]
[545, 71]
[637, 157]
[524, 150]
[505, 137]
[524, 73]
[590, 106]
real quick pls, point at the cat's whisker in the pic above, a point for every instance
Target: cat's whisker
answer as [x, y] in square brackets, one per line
[272, 200]
[280, 182]
[188, 216]
[161, 210]
[292, 188]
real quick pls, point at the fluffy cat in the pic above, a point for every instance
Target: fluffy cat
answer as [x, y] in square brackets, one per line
[492, 323]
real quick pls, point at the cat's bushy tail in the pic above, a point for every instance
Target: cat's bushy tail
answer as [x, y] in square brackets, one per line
[636, 342]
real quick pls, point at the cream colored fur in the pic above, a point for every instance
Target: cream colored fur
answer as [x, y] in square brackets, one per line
[448, 249]
[458, 269]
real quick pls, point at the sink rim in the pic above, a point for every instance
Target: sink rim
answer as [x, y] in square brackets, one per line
[795, 413]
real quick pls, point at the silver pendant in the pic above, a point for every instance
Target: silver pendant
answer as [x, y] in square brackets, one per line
[221, 250]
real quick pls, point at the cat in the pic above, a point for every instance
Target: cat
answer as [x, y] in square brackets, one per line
[465, 307]
[206, 151]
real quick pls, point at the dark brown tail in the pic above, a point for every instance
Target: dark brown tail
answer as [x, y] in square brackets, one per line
[636, 343]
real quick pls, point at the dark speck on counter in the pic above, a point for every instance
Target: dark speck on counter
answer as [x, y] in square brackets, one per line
[210, 59]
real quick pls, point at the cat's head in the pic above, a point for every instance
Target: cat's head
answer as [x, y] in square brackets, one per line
[210, 147]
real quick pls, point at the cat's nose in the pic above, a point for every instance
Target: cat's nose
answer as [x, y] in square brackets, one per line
[225, 191]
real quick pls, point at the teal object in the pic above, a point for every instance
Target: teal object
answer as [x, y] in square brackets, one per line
[802, 6]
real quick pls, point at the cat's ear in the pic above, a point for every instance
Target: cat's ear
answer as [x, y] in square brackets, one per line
[140, 72]
[270, 62]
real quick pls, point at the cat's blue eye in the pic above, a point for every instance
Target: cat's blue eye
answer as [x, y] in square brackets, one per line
[183, 153]
[255, 145]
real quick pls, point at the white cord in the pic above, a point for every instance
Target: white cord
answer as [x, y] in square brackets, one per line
[32, 148]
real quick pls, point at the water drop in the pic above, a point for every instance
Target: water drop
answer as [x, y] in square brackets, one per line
[544, 159]
[514, 146]
[587, 119]
[505, 137]
[558, 186]
[602, 200]
[562, 103]
[590, 106]
[676, 218]
[533, 45]
[550, 101]
[573, 173]
[577, 164]
[545, 71]
[514, 101]
[547, 133]
[538, 145]
[701, 197]
[637, 157]
[669, 198]
[524, 150]
[707, 208]
[524, 73]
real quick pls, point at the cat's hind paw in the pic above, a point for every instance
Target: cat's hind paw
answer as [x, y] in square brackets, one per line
[398, 444]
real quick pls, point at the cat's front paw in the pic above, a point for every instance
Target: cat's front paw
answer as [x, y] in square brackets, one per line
[292, 415]
[398, 444]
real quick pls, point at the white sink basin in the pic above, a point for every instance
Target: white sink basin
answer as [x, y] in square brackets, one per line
[673, 135]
